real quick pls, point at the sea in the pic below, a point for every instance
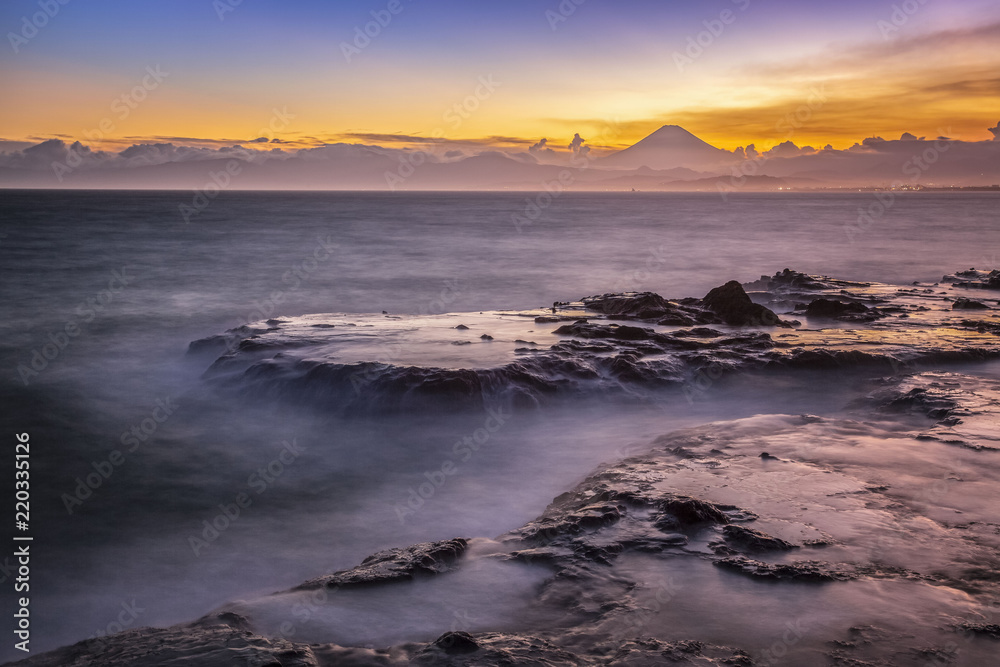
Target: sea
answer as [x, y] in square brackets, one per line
[135, 457]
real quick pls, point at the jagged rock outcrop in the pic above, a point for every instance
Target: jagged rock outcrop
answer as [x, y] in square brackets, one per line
[397, 565]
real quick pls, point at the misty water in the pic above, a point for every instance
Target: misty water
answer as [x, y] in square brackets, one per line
[327, 490]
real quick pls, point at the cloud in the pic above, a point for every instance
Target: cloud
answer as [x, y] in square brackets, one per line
[44, 155]
[577, 145]
[908, 137]
[908, 84]
[541, 150]
[11, 146]
[47, 151]
[139, 154]
[495, 139]
[186, 141]
[383, 138]
[787, 149]
[996, 132]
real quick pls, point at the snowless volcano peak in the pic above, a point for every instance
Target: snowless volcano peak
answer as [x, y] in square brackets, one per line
[669, 147]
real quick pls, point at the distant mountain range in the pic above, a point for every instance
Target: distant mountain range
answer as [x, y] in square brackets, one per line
[669, 159]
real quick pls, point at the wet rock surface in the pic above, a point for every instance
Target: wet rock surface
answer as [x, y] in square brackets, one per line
[754, 540]
[625, 344]
[871, 538]
[840, 512]
[799, 571]
[963, 408]
[841, 310]
[968, 304]
[975, 279]
[398, 565]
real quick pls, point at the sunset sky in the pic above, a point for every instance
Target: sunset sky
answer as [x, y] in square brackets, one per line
[607, 70]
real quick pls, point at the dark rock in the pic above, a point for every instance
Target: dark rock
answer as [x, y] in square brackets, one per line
[931, 401]
[697, 332]
[982, 326]
[456, 642]
[796, 279]
[226, 341]
[975, 279]
[650, 652]
[968, 304]
[834, 309]
[494, 648]
[641, 305]
[570, 519]
[797, 571]
[767, 457]
[486, 337]
[677, 319]
[754, 540]
[611, 331]
[198, 645]
[397, 565]
[667, 523]
[690, 511]
[462, 327]
[228, 618]
[735, 308]
[988, 629]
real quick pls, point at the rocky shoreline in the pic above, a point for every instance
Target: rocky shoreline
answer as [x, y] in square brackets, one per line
[871, 539]
[624, 344]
